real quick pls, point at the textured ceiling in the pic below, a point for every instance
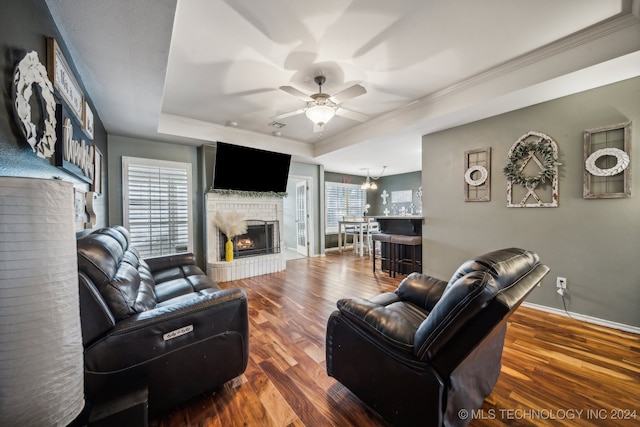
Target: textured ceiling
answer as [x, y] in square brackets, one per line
[182, 71]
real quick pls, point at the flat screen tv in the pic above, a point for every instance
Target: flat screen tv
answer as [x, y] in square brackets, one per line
[250, 169]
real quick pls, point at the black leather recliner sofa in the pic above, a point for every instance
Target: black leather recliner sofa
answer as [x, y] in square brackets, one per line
[160, 322]
[429, 353]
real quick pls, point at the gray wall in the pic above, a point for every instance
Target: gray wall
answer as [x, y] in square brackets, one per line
[595, 244]
[344, 178]
[406, 181]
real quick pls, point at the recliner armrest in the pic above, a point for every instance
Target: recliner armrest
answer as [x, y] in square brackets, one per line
[153, 333]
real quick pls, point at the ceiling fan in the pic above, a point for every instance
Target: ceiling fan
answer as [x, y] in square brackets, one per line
[321, 107]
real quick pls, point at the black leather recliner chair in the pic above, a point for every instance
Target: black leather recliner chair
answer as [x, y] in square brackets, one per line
[161, 322]
[427, 352]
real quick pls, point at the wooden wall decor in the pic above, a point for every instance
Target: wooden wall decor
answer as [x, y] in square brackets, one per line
[87, 120]
[96, 186]
[607, 162]
[64, 81]
[79, 202]
[73, 155]
[532, 172]
[90, 197]
[477, 175]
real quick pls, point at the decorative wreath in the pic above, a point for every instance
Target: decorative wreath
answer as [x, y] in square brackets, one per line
[29, 71]
[622, 161]
[546, 155]
[484, 174]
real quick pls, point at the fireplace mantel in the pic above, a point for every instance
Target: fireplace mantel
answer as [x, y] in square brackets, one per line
[265, 208]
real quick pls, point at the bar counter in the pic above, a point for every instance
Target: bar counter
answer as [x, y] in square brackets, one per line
[400, 226]
[406, 225]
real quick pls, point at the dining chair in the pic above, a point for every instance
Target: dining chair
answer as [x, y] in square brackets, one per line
[352, 230]
[373, 227]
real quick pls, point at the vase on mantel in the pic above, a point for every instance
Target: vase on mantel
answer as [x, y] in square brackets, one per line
[228, 250]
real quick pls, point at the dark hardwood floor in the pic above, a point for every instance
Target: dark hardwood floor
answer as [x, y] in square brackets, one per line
[556, 370]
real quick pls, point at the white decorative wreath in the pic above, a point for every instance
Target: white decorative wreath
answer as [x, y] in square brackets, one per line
[29, 71]
[622, 161]
[475, 182]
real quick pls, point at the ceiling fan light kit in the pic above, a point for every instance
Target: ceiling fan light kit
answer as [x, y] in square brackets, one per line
[320, 114]
[322, 107]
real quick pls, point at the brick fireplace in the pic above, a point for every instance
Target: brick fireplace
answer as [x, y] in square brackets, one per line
[257, 252]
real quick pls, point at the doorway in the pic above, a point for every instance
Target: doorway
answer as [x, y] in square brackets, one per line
[297, 218]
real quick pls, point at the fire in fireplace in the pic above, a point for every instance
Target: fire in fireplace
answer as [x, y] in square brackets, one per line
[261, 238]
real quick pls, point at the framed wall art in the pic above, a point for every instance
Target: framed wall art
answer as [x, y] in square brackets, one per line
[607, 162]
[79, 209]
[87, 120]
[63, 79]
[96, 186]
[477, 175]
[404, 196]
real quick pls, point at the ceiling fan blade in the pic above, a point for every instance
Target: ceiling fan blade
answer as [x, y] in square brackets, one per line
[295, 92]
[353, 115]
[285, 115]
[317, 128]
[348, 93]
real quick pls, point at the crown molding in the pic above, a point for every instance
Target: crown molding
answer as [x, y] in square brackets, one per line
[559, 47]
[599, 45]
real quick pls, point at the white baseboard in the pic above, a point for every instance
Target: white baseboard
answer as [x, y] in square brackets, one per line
[584, 318]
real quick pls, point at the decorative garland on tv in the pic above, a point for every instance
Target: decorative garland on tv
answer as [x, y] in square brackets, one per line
[252, 194]
[543, 150]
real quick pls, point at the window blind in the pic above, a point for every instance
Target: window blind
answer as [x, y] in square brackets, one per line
[156, 205]
[342, 199]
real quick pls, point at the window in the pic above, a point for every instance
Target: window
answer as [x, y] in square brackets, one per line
[341, 200]
[156, 203]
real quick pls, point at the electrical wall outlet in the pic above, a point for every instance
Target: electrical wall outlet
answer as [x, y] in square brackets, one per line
[561, 282]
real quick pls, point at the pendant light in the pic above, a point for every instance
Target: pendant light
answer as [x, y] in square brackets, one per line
[369, 183]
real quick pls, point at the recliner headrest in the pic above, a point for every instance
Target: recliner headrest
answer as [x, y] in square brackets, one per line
[118, 232]
[99, 255]
[505, 265]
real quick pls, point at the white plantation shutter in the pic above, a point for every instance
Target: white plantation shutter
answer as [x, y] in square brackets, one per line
[342, 199]
[156, 205]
